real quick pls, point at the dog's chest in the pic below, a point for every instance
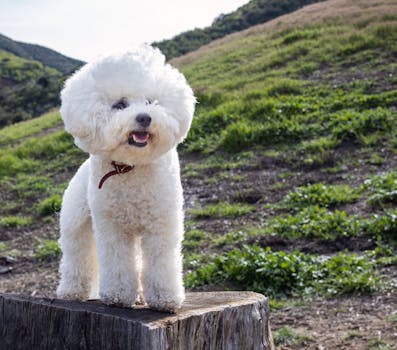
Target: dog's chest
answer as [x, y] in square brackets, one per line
[138, 197]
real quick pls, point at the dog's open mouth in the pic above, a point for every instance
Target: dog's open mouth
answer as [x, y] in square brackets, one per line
[138, 138]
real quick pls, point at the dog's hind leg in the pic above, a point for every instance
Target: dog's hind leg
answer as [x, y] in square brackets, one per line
[78, 268]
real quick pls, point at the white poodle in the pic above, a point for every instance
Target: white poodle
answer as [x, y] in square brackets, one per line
[122, 216]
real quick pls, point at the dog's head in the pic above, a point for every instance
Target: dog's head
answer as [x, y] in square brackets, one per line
[130, 107]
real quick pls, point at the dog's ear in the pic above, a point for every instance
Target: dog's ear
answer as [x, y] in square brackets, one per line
[187, 112]
[184, 107]
[80, 109]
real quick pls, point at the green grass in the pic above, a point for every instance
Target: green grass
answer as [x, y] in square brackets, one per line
[50, 205]
[28, 88]
[377, 344]
[392, 318]
[15, 221]
[222, 209]
[286, 336]
[264, 89]
[314, 221]
[382, 189]
[18, 132]
[47, 250]
[322, 195]
[281, 274]
[195, 239]
[32, 155]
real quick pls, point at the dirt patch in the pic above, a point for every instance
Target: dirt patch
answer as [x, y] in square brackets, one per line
[342, 323]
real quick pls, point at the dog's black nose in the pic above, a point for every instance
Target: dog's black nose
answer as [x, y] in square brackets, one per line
[143, 119]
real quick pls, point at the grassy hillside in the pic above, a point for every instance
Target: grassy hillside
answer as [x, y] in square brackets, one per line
[27, 88]
[39, 53]
[289, 174]
[255, 12]
[316, 84]
[316, 97]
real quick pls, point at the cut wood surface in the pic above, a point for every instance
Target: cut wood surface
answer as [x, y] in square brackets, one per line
[213, 320]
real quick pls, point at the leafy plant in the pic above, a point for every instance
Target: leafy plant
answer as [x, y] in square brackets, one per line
[321, 195]
[280, 274]
[315, 221]
[384, 225]
[383, 189]
[15, 221]
[288, 337]
[50, 205]
[47, 250]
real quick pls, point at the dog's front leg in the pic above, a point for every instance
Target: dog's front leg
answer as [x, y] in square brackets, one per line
[162, 271]
[118, 270]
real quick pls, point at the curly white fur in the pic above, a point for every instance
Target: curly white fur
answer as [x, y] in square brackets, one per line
[128, 233]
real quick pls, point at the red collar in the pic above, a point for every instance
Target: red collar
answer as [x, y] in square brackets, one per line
[118, 169]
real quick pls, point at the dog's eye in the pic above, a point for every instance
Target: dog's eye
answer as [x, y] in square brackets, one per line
[150, 101]
[121, 104]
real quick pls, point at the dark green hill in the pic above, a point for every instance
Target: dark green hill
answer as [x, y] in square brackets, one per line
[39, 53]
[27, 88]
[255, 12]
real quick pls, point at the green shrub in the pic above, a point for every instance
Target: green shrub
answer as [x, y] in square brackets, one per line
[50, 205]
[47, 250]
[383, 188]
[209, 122]
[280, 274]
[346, 274]
[321, 195]
[315, 221]
[352, 124]
[238, 136]
[383, 225]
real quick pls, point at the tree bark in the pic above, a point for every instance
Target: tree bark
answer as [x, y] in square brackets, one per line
[214, 320]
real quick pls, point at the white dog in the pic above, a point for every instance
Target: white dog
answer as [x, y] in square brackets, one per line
[122, 216]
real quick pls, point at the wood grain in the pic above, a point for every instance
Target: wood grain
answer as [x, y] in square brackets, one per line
[214, 320]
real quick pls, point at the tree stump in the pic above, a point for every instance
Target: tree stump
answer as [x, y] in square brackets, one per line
[214, 320]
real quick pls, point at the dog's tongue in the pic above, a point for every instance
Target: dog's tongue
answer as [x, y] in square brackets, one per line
[140, 137]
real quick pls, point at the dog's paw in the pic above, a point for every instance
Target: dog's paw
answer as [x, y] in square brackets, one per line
[72, 294]
[117, 299]
[167, 304]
